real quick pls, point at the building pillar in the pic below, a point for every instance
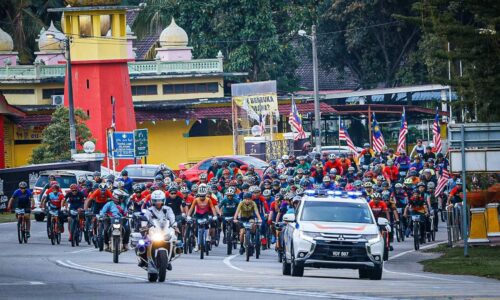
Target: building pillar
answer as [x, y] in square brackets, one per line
[2, 143]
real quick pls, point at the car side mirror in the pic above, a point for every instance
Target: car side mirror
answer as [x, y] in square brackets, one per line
[289, 218]
[382, 221]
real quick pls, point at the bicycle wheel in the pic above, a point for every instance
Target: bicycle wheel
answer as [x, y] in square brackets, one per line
[201, 241]
[52, 232]
[19, 230]
[78, 236]
[247, 243]
[257, 245]
[416, 235]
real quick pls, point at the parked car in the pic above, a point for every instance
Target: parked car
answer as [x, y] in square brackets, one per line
[64, 177]
[142, 172]
[192, 174]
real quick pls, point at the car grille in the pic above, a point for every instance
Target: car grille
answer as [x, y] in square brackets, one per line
[324, 251]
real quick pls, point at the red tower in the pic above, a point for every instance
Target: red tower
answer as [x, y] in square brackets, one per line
[99, 68]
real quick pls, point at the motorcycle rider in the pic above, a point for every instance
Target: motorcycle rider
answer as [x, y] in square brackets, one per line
[161, 212]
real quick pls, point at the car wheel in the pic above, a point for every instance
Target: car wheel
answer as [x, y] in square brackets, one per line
[39, 217]
[376, 272]
[364, 273]
[295, 269]
[285, 265]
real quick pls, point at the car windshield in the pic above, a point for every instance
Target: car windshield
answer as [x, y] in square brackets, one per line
[141, 171]
[323, 211]
[64, 181]
[257, 163]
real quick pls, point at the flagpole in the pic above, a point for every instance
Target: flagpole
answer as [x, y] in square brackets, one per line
[271, 123]
[113, 134]
[339, 130]
[370, 125]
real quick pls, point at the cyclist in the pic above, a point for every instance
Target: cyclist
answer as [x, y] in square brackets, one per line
[378, 207]
[75, 198]
[99, 198]
[432, 203]
[416, 206]
[247, 210]
[25, 201]
[454, 195]
[113, 209]
[202, 206]
[54, 200]
[228, 207]
[137, 199]
[176, 203]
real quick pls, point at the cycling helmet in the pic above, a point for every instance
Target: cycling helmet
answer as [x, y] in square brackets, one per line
[97, 174]
[333, 171]
[213, 180]
[167, 172]
[230, 191]
[458, 182]
[120, 184]
[421, 184]
[73, 187]
[276, 183]
[137, 189]
[366, 145]
[390, 162]
[296, 199]
[167, 180]
[331, 156]
[88, 184]
[288, 196]
[285, 157]
[119, 195]
[300, 191]
[413, 173]
[385, 184]
[103, 187]
[358, 183]
[376, 196]
[203, 176]
[300, 171]
[202, 189]
[172, 189]
[431, 185]
[408, 181]
[350, 169]
[326, 179]
[124, 173]
[319, 165]
[81, 180]
[23, 185]
[159, 177]
[157, 196]
[247, 196]
[304, 182]
[368, 185]
[266, 193]
[398, 185]
[194, 187]
[427, 171]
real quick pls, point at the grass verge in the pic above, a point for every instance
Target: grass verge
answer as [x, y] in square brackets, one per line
[7, 217]
[482, 261]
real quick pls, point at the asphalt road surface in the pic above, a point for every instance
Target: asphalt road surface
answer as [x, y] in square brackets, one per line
[42, 271]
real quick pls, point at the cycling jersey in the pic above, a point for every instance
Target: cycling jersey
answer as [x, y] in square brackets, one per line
[55, 199]
[176, 204]
[202, 207]
[247, 209]
[137, 202]
[23, 198]
[75, 201]
[417, 204]
[229, 206]
[101, 197]
[378, 208]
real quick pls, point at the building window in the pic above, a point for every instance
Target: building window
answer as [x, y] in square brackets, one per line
[138, 90]
[211, 128]
[18, 92]
[48, 93]
[191, 88]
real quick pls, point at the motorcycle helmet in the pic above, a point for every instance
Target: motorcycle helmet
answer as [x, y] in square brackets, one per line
[157, 197]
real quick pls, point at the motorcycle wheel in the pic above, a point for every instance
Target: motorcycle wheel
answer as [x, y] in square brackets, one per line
[161, 264]
[116, 249]
[152, 277]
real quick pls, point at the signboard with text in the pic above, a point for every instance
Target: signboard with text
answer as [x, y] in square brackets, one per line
[123, 145]
[141, 146]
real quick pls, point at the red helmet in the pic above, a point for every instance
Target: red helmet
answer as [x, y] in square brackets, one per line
[54, 184]
[73, 187]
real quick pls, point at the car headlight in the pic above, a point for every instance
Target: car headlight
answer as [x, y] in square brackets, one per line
[372, 238]
[309, 235]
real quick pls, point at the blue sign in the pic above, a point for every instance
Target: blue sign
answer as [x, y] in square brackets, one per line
[122, 145]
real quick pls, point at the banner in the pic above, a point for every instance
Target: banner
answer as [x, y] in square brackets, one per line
[257, 105]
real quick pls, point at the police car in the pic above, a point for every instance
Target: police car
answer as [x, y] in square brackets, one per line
[333, 230]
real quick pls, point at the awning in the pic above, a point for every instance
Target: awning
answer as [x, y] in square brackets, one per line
[363, 109]
[7, 109]
[32, 120]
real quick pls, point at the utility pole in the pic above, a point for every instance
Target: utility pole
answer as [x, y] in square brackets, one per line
[317, 113]
[72, 127]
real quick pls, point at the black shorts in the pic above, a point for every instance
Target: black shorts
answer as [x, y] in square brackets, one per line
[97, 207]
[201, 216]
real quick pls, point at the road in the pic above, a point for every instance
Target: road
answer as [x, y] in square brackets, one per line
[42, 271]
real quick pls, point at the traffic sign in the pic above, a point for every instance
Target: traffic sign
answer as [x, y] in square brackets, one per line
[123, 144]
[141, 142]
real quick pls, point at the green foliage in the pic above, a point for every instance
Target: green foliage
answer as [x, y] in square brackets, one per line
[254, 36]
[366, 37]
[472, 29]
[56, 143]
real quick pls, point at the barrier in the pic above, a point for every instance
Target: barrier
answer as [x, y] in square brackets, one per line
[478, 226]
[493, 220]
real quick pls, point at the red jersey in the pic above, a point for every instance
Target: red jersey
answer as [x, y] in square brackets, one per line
[378, 208]
[391, 173]
[336, 164]
[55, 199]
[100, 197]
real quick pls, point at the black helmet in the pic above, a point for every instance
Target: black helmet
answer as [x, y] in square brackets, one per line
[23, 185]
[124, 173]
[97, 173]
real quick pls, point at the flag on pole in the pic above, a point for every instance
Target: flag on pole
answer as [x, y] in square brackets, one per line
[378, 138]
[436, 131]
[403, 131]
[296, 122]
[443, 181]
[113, 124]
[344, 136]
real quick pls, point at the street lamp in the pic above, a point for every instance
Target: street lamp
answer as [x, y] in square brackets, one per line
[317, 116]
[72, 127]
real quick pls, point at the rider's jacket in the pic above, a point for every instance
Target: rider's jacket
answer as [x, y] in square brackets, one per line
[163, 213]
[137, 202]
[111, 209]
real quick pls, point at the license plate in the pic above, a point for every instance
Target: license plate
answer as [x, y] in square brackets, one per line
[340, 253]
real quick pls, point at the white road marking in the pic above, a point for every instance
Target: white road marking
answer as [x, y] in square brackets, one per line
[8, 223]
[72, 265]
[84, 250]
[422, 248]
[227, 262]
[22, 283]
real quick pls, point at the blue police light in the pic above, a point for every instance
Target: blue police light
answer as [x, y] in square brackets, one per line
[310, 192]
[337, 193]
[330, 193]
[354, 194]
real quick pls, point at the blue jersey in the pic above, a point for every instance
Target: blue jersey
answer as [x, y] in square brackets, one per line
[23, 199]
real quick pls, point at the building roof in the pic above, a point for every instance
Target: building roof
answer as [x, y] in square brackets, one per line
[7, 109]
[327, 79]
[364, 109]
[144, 45]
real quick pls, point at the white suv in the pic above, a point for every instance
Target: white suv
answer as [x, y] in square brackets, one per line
[333, 230]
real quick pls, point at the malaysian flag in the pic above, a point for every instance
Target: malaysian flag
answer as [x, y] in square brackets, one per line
[403, 131]
[442, 181]
[436, 131]
[344, 136]
[296, 122]
[378, 138]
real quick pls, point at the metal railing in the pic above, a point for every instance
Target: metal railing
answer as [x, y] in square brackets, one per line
[454, 223]
[138, 68]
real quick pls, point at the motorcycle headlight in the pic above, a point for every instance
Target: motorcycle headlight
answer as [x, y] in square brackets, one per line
[116, 226]
[157, 237]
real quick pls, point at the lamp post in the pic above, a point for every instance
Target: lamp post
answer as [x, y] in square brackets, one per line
[317, 115]
[71, 106]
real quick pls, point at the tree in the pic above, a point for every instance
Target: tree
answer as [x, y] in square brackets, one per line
[471, 28]
[254, 36]
[55, 143]
[365, 37]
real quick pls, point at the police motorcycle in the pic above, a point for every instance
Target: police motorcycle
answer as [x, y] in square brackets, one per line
[156, 242]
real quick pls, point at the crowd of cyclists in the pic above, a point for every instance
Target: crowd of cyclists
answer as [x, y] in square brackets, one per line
[396, 185]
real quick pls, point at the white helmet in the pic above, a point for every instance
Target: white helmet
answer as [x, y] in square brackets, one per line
[331, 156]
[202, 189]
[157, 196]
[119, 194]
[285, 157]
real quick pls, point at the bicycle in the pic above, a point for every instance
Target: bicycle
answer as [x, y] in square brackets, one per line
[54, 228]
[22, 232]
[431, 235]
[89, 227]
[100, 233]
[189, 238]
[230, 235]
[279, 240]
[77, 226]
[251, 239]
[203, 237]
[417, 239]
[399, 227]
